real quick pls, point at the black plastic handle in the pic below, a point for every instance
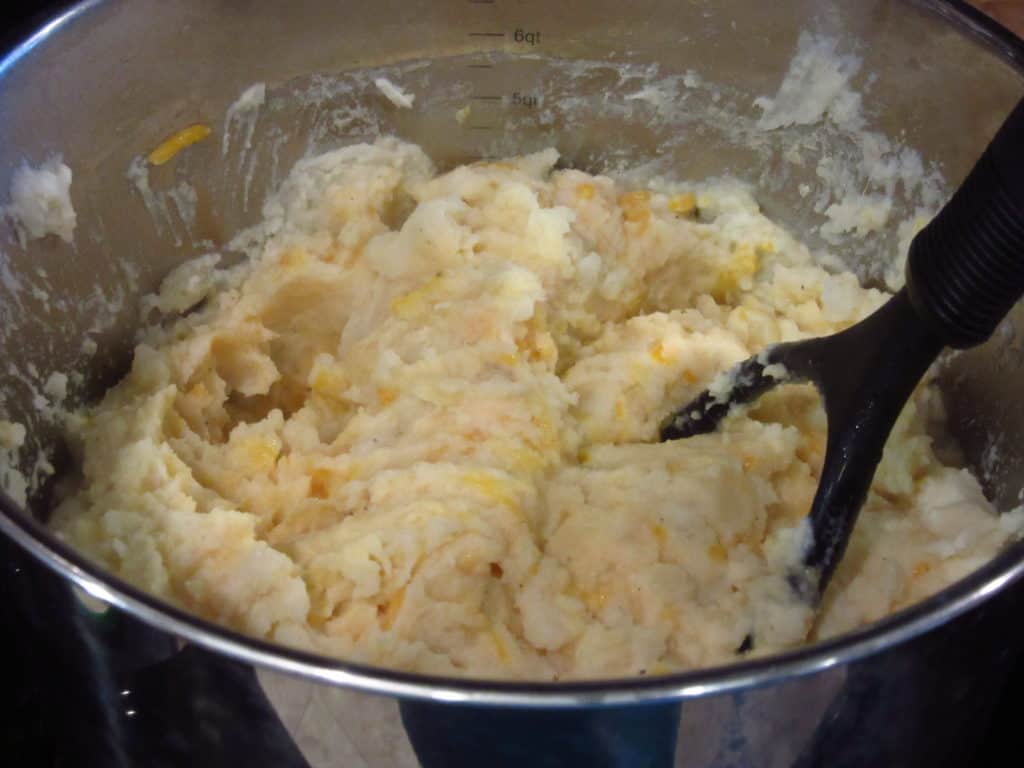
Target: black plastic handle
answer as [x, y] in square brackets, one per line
[966, 268]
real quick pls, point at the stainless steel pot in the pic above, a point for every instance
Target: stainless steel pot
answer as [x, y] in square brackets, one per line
[106, 82]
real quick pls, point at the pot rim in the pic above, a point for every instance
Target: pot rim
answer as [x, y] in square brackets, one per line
[960, 597]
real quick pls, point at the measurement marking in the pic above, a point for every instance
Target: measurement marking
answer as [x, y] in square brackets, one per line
[481, 66]
[486, 34]
[486, 98]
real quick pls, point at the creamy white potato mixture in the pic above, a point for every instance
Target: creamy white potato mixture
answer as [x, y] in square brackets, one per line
[419, 429]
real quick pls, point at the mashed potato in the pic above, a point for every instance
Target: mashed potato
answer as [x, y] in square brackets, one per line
[418, 430]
